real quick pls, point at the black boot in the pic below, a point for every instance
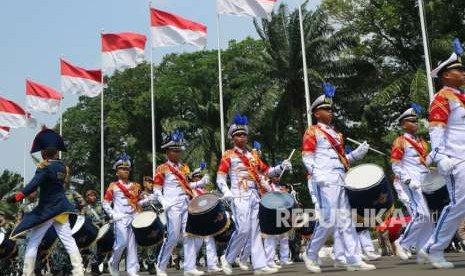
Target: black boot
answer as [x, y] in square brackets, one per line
[151, 269]
[105, 268]
[142, 267]
[95, 271]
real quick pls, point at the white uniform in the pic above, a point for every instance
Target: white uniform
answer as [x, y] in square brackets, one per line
[122, 213]
[245, 203]
[408, 164]
[366, 242]
[447, 133]
[324, 165]
[175, 202]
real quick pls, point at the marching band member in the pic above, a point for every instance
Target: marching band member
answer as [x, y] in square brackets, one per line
[245, 171]
[326, 162]
[408, 157]
[124, 196]
[198, 183]
[367, 246]
[447, 133]
[53, 207]
[271, 241]
[173, 190]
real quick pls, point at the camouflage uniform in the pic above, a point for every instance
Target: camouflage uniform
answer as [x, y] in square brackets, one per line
[9, 266]
[99, 218]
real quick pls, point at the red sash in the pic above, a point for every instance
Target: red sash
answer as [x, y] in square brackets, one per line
[132, 198]
[182, 180]
[251, 169]
[338, 147]
[419, 148]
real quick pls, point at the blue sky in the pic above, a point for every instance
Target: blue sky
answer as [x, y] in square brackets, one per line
[34, 34]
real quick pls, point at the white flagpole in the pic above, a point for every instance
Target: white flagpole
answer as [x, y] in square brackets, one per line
[152, 97]
[424, 35]
[304, 65]
[102, 159]
[61, 123]
[220, 86]
[25, 154]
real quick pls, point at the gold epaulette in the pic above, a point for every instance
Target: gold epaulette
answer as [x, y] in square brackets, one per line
[43, 164]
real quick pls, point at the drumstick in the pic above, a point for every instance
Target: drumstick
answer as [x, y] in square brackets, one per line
[290, 156]
[370, 148]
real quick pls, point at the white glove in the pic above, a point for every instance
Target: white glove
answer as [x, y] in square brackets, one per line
[445, 166]
[320, 181]
[205, 179]
[286, 165]
[227, 195]
[414, 185]
[361, 151]
[118, 216]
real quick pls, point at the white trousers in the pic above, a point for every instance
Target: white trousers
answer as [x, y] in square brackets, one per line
[270, 248]
[210, 248]
[366, 242]
[37, 233]
[245, 212]
[124, 240]
[420, 228]
[245, 253]
[335, 216]
[176, 217]
[451, 216]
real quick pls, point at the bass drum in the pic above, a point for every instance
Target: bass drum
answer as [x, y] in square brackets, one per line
[84, 232]
[225, 236]
[368, 188]
[7, 247]
[434, 190]
[148, 229]
[105, 238]
[206, 216]
[272, 207]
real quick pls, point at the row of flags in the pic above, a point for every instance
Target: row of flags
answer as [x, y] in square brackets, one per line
[120, 51]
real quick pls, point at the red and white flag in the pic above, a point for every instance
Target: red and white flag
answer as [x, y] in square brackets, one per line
[77, 80]
[170, 30]
[4, 132]
[122, 50]
[42, 98]
[11, 114]
[254, 8]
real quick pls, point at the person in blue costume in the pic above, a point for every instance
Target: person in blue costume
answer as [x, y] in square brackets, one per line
[53, 207]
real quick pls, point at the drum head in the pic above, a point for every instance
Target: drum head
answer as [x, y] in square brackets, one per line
[432, 182]
[144, 219]
[103, 230]
[203, 203]
[78, 224]
[364, 176]
[277, 200]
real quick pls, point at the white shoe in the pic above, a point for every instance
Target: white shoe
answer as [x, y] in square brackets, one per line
[372, 256]
[194, 272]
[133, 274]
[227, 268]
[28, 268]
[242, 266]
[437, 262]
[422, 259]
[311, 265]
[400, 251]
[360, 266]
[275, 265]
[409, 253]
[287, 262]
[265, 270]
[161, 272]
[115, 272]
[214, 269]
[339, 264]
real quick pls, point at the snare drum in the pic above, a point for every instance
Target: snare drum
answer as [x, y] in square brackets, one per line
[105, 238]
[84, 232]
[434, 190]
[368, 188]
[148, 228]
[273, 206]
[7, 246]
[206, 216]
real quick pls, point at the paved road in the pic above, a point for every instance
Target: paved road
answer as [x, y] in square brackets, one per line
[387, 266]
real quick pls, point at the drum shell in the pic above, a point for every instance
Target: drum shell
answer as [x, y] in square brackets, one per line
[150, 235]
[86, 235]
[438, 199]
[225, 236]
[375, 197]
[213, 222]
[105, 243]
[268, 218]
[7, 247]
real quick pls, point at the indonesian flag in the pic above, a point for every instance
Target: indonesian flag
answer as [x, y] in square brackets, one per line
[77, 80]
[122, 50]
[42, 98]
[254, 8]
[170, 30]
[4, 132]
[11, 114]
